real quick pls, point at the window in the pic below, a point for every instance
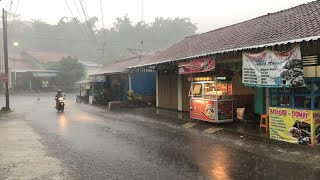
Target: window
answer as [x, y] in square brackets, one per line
[307, 97]
[302, 96]
[45, 84]
[316, 87]
[302, 102]
[210, 91]
[284, 101]
[281, 97]
[281, 100]
[274, 100]
[196, 90]
[304, 90]
[222, 89]
[317, 102]
[229, 90]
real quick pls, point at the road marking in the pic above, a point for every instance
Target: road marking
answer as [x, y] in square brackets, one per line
[189, 125]
[212, 130]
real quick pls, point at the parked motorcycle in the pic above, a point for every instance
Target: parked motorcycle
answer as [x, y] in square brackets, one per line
[101, 99]
[60, 105]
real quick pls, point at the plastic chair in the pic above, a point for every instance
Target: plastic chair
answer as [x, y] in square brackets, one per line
[265, 125]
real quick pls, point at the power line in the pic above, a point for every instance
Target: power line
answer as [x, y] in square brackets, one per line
[14, 15]
[85, 7]
[11, 2]
[75, 18]
[86, 30]
[69, 8]
[88, 24]
[7, 5]
[104, 31]
[75, 4]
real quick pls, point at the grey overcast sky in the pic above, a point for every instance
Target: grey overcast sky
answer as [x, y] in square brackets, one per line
[207, 14]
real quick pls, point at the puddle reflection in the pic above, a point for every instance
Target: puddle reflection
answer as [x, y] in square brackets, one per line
[62, 122]
[220, 166]
[212, 160]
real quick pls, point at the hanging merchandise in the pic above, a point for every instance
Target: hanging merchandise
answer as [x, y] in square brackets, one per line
[273, 69]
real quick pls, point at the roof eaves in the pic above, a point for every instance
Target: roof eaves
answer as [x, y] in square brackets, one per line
[109, 73]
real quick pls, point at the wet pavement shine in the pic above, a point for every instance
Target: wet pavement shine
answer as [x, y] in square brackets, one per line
[91, 144]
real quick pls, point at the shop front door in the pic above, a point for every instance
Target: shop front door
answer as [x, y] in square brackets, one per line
[259, 101]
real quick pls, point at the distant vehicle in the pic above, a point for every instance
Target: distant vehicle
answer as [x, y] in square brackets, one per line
[60, 105]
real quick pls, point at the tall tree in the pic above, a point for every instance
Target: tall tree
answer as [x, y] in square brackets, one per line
[85, 41]
[70, 71]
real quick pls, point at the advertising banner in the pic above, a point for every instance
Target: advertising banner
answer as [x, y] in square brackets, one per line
[316, 127]
[273, 69]
[98, 78]
[291, 125]
[202, 110]
[197, 65]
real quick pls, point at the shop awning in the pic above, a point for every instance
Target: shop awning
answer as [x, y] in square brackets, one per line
[83, 81]
[44, 74]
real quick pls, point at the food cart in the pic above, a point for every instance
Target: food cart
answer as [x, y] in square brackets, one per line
[211, 99]
[83, 85]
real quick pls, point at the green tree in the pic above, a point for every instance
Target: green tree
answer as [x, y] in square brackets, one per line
[70, 71]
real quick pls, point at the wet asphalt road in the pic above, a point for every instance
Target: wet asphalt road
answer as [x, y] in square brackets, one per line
[91, 146]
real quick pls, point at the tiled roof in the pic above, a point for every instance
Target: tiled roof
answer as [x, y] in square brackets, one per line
[43, 56]
[299, 22]
[21, 65]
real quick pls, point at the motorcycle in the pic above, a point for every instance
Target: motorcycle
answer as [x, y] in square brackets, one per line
[60, 105]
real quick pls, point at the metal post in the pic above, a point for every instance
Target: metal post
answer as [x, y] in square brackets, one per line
[130, 83]
[5, 47]
[14, 67]
[15, 44]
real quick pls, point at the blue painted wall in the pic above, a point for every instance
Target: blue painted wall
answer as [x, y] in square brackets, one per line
[144, 83]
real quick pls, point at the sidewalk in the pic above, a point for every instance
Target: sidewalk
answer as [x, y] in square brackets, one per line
[21, 153]
[237, 134]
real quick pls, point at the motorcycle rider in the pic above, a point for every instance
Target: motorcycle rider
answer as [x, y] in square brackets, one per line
[58, 96]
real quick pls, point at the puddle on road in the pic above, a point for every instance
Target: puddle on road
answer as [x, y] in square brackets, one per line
[189, 125]
[212, 130]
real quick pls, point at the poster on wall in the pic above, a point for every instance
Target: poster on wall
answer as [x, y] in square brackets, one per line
[197, 65]
[273, 69]
[202, 110]
[291, 125]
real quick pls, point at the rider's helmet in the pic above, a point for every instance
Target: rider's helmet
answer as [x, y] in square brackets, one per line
[59, 91]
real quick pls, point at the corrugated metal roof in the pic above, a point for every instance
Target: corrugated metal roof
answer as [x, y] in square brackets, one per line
[122, 66]
[21, 65]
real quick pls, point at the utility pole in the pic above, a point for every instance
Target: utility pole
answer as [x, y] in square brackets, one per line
[103, 49]
[6, 64]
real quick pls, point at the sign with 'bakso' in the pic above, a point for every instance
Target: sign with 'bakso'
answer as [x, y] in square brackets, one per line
[273, 69]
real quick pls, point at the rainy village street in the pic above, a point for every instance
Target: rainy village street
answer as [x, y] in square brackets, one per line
[87, 142]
